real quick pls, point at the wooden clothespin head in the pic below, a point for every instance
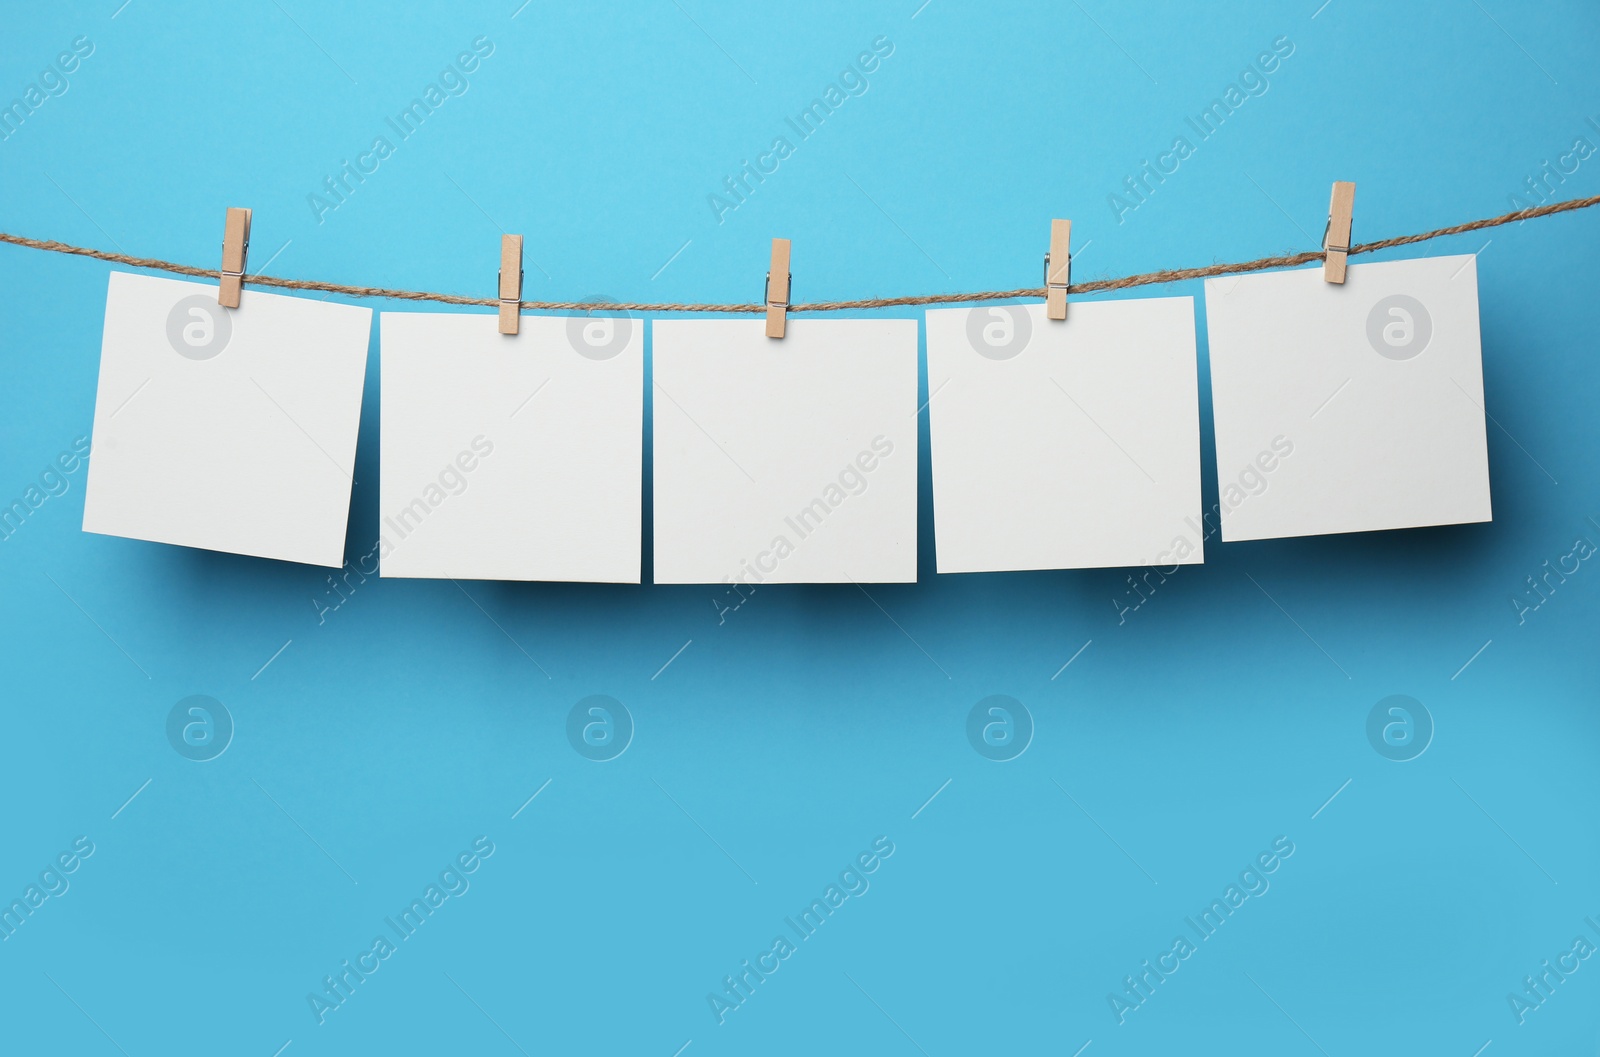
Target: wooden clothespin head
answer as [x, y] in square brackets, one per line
[1336, 240]
[510, 283]
[1058, 269]
[778, 279]
[235, 248]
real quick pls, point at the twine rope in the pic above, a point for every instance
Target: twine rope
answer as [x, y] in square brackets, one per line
[1170, 275]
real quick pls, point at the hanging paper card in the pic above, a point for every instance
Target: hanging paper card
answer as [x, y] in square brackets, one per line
[230, 429]
[511, 457]
[1348, 408]
[1065, 445]
[791, 461]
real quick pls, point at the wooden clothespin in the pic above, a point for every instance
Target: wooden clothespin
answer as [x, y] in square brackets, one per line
[778, 288]
[235, 248]
[1336, 241]
[1058, 269]
[510, 283]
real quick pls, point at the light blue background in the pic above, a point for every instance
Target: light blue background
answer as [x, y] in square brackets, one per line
[778, 744]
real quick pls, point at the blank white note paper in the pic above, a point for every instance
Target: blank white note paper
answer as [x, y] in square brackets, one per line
[1348, 408]
[785, 461]
[511, 456]
[229, 429]
[1065, 445]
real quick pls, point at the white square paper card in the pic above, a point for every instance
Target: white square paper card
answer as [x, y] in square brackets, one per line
[785, 461]
[1065, 444]
[1348, 408]
[229, 429]
[511, 456]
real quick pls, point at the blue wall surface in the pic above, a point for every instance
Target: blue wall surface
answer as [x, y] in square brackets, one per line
[1180, 737]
